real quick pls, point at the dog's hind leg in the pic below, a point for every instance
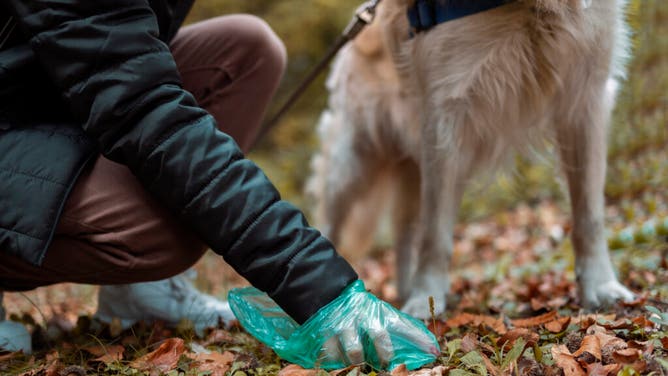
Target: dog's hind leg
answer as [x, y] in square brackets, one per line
[348, 182]
[405, 217]
[443, 171]
[582, 145]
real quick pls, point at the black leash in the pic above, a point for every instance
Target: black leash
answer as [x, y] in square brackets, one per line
[364, 15]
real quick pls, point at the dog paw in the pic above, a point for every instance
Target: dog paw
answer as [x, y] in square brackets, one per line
[417, 305]
[604, 294]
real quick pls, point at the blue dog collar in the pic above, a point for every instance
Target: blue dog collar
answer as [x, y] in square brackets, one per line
[425, 14]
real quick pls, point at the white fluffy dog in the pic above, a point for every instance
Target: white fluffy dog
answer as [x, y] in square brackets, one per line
[426, 111]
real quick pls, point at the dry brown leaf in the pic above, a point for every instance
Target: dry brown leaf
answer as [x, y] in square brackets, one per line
[130, 340]
[565, 360]
[216, 363]
[610, 341]
[535, 321]
[537, 304]
[401, 370]
[438, 327]
[343, 371]
[640, 366]
[53, 369]
[219, 337]
[664, 343]
[295, 370]
[598, 369]
[643, 322]
[436, 371]
[508, 339]
[590, 344]
[52, 364]
[491, 368]
[647, 347]
[164, 359]
[558, 325]
[585, 321]
[626, 356]
[460, 320]
[9, 356]
[557, 302]
[639, 301]
[470, 319]
[469, 342]
[622, 323]
[106, 354]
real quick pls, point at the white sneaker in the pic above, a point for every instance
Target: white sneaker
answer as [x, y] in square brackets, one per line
[13, 335]
[170, 300]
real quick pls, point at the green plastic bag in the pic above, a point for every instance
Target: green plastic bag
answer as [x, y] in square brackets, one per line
[355, 327]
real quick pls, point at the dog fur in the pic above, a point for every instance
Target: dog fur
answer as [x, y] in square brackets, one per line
[421, 114]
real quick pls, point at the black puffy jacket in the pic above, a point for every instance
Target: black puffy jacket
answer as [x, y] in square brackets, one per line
[82, 77]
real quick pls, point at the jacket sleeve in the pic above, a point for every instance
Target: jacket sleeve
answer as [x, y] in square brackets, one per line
[121, 82]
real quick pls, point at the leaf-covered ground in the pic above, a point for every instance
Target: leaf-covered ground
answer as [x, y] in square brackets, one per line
[512, 308]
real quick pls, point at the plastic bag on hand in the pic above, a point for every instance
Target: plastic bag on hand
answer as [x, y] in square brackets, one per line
[356, 327]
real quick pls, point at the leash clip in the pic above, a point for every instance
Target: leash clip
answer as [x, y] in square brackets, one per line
[367, 12]
[364, 15]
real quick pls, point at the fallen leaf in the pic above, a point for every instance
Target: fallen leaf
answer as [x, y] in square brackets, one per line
[106, 354]
[400, 371]
[537, 304]
[558, 325]
[637, 302]
[646, 346]
[215, 363]
[643, 322]
[164, 359]
[436, 371]
[219, 337]
[469, 342]
[557, 302]
[295, 370]
[344, 371]
[438, 327]
[598, 369]
[626, 356]
[491, 368]
[617, 324]
[477, 320]
[53, 364]
[590, 344]
[508, 339]
[130, 340]
[565, 360]
[535, 321]
[12, 355]
[529, 367]
[664, 343]
[585, 321]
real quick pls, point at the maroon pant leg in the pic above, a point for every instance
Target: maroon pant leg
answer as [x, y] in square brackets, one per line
[111, 230]
[232, 64]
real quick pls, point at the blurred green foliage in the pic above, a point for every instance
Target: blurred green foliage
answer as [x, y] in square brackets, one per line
[638, 137]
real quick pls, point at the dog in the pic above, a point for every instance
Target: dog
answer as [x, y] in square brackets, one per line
[415, 114]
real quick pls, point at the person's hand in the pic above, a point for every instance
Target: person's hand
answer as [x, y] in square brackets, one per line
[374, 332]
[354, 328]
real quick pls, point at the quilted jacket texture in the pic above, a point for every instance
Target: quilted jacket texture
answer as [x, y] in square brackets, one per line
[82, 77]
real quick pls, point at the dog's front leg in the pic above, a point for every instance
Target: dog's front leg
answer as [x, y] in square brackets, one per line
[582, 145]
[441, 169]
